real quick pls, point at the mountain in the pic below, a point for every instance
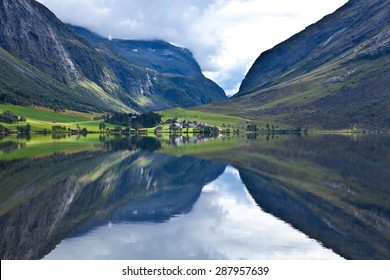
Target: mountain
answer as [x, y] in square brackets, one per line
[74, 72]
[155, 54]
[177, 76]
[332, 75]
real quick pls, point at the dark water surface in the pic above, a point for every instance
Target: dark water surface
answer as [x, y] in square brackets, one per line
[259, 197]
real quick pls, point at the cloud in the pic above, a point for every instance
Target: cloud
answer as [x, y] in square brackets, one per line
[225, 36]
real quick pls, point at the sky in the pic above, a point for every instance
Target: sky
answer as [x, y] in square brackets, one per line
[225, 36]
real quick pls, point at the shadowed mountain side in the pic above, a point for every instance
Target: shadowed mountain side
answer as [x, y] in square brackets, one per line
[332, 188]
[108, 186]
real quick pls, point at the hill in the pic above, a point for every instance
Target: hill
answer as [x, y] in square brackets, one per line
[332, 75]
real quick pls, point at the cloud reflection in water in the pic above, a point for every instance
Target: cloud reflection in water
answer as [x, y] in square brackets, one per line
[225, 223]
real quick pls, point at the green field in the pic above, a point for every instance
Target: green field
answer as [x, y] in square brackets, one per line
[203, 117]
[41, 114]
[42, 118]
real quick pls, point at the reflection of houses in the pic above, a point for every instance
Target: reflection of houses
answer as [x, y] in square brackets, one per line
[178, 140]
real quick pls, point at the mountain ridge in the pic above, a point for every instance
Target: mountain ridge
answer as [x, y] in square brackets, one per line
[33, 34]
[156, 54]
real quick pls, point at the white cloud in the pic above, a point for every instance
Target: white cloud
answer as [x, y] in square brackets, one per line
[226, 36]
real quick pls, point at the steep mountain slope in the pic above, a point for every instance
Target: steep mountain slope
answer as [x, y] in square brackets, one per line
[21, 83]
[29, 32]
[173, 74]
[334, 74]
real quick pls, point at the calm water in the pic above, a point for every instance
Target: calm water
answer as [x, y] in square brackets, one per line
[263, 197]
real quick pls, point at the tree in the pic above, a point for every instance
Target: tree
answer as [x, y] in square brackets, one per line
[84, 131]
[8, 117]
[24, 129]
[102, 126]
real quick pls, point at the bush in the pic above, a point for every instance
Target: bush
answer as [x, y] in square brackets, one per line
[58, 129]
[8, 117]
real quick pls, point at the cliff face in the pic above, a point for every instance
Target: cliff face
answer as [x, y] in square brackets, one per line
[334, 74]
[120, 77]
[34, 34]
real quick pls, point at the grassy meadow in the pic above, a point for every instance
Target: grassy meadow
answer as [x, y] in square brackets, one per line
[204, 117]
[43, 118]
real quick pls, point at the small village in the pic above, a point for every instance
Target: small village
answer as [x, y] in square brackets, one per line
[186, 126]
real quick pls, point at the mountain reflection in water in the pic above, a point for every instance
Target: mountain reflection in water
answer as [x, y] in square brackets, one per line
[225, 223]
[281, 197]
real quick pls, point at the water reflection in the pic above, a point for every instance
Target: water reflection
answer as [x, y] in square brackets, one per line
[225, 223]
[179, 140]
[144, 197]
[334, 188]
[52, 197]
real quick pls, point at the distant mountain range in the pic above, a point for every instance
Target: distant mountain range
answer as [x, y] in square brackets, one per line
[332, 75]
[46, 62]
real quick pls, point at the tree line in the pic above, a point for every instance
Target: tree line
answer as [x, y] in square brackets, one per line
[135, 121]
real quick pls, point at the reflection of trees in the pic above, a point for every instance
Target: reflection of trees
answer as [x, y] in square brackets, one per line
[9, 146]
[134, 143]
